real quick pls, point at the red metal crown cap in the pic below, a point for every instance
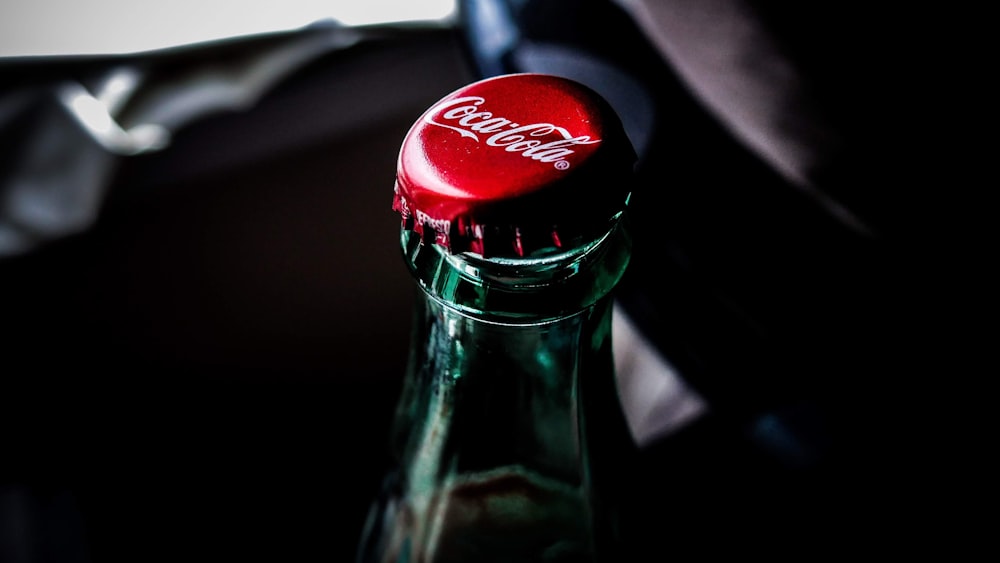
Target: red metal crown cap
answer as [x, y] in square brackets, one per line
[512, 165]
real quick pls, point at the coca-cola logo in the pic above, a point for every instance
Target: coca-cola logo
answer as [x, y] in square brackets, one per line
[465, 116]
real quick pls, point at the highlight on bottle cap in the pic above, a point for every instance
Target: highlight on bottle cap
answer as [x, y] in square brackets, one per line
[514, 164]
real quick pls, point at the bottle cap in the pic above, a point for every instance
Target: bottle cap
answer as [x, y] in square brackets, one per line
[513, 165]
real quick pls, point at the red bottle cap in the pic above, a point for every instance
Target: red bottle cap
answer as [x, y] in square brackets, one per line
[514, 164]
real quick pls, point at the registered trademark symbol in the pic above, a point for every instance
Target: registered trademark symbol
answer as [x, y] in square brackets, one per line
[562, 165]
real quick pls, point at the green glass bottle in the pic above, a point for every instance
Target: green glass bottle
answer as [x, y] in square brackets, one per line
[509, 439]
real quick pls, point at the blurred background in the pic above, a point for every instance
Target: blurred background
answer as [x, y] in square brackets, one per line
[205, 315]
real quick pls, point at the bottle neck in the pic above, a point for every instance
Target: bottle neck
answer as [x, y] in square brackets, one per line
[551, 284]
[508, 417]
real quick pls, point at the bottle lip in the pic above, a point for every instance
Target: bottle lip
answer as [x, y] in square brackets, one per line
[521, 290]
[512, 165]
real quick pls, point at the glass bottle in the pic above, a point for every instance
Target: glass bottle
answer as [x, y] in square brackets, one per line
[509, 440]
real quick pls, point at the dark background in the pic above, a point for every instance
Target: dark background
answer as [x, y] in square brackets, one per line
[208, 373]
